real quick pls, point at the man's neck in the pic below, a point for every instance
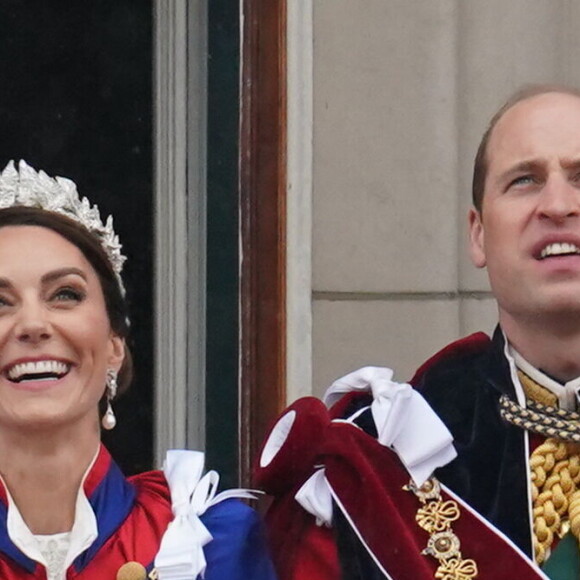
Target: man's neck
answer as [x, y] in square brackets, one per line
[553, 348]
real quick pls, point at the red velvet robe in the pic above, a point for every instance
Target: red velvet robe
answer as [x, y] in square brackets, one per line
[373, 511]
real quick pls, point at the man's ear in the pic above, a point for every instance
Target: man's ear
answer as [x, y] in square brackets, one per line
[476, 239]
[116, 352]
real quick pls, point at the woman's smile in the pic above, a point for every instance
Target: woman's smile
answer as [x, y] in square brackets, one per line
[56, 343]
[37, 374]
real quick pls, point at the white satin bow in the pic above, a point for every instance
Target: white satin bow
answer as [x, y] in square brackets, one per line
[181, 555]
[405, 422]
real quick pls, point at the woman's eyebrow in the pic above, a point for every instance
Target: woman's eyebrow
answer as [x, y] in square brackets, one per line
[51, 276]
[60, 273]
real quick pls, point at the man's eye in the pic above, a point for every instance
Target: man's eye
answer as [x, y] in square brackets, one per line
[4, 302]
[523, 180]
[68, 295]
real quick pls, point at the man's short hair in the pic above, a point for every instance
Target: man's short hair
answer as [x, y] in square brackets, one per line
[480, 164]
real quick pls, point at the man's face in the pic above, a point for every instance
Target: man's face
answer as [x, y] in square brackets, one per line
[528, 232]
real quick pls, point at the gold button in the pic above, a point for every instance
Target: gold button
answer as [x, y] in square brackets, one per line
[132, 571]
[442, 544]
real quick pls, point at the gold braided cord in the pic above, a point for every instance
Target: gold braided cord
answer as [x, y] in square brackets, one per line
[555, 469]
[542, 419]
[555, 475]
[574, 514]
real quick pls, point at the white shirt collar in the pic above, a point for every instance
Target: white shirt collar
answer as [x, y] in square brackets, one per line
[568, 393]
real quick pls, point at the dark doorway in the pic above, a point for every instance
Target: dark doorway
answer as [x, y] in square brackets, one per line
[76, 101]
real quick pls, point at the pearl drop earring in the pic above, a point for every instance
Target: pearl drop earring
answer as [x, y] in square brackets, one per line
[109, 420]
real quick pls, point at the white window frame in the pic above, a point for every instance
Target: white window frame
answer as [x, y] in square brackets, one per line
[180, 90]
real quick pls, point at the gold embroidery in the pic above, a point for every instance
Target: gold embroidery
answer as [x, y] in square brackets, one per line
[537, 392]
[435, 516]
[456, 569]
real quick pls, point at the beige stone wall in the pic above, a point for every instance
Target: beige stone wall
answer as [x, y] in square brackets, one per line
[401, 94]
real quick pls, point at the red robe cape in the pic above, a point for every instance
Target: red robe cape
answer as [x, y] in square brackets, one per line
[367, 482]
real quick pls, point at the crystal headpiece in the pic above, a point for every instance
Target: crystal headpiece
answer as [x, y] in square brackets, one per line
[26, 187]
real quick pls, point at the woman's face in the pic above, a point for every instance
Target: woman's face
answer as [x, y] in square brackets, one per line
[56, 343]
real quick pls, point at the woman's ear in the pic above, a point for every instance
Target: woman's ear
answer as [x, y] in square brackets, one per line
[476, 238]
[116, 352]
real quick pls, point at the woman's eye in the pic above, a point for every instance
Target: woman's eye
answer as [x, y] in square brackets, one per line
[68, 295]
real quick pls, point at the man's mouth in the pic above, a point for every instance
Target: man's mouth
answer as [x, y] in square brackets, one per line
[559, 249]
[37, 371]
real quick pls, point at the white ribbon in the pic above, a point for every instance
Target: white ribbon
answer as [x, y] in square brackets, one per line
[404, 420]
[315, 497]
[181, 555]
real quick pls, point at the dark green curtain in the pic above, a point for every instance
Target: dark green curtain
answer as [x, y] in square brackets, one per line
[222, 239]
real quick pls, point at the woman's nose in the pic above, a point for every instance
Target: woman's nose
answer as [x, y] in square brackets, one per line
[32, 324]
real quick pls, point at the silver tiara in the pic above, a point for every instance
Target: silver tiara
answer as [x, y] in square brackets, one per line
[26, 187]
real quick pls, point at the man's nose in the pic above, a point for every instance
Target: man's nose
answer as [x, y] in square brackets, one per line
[559, 199]
[32, 324]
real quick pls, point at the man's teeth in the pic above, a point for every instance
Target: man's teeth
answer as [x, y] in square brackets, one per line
[43, 367]
[558, 249]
